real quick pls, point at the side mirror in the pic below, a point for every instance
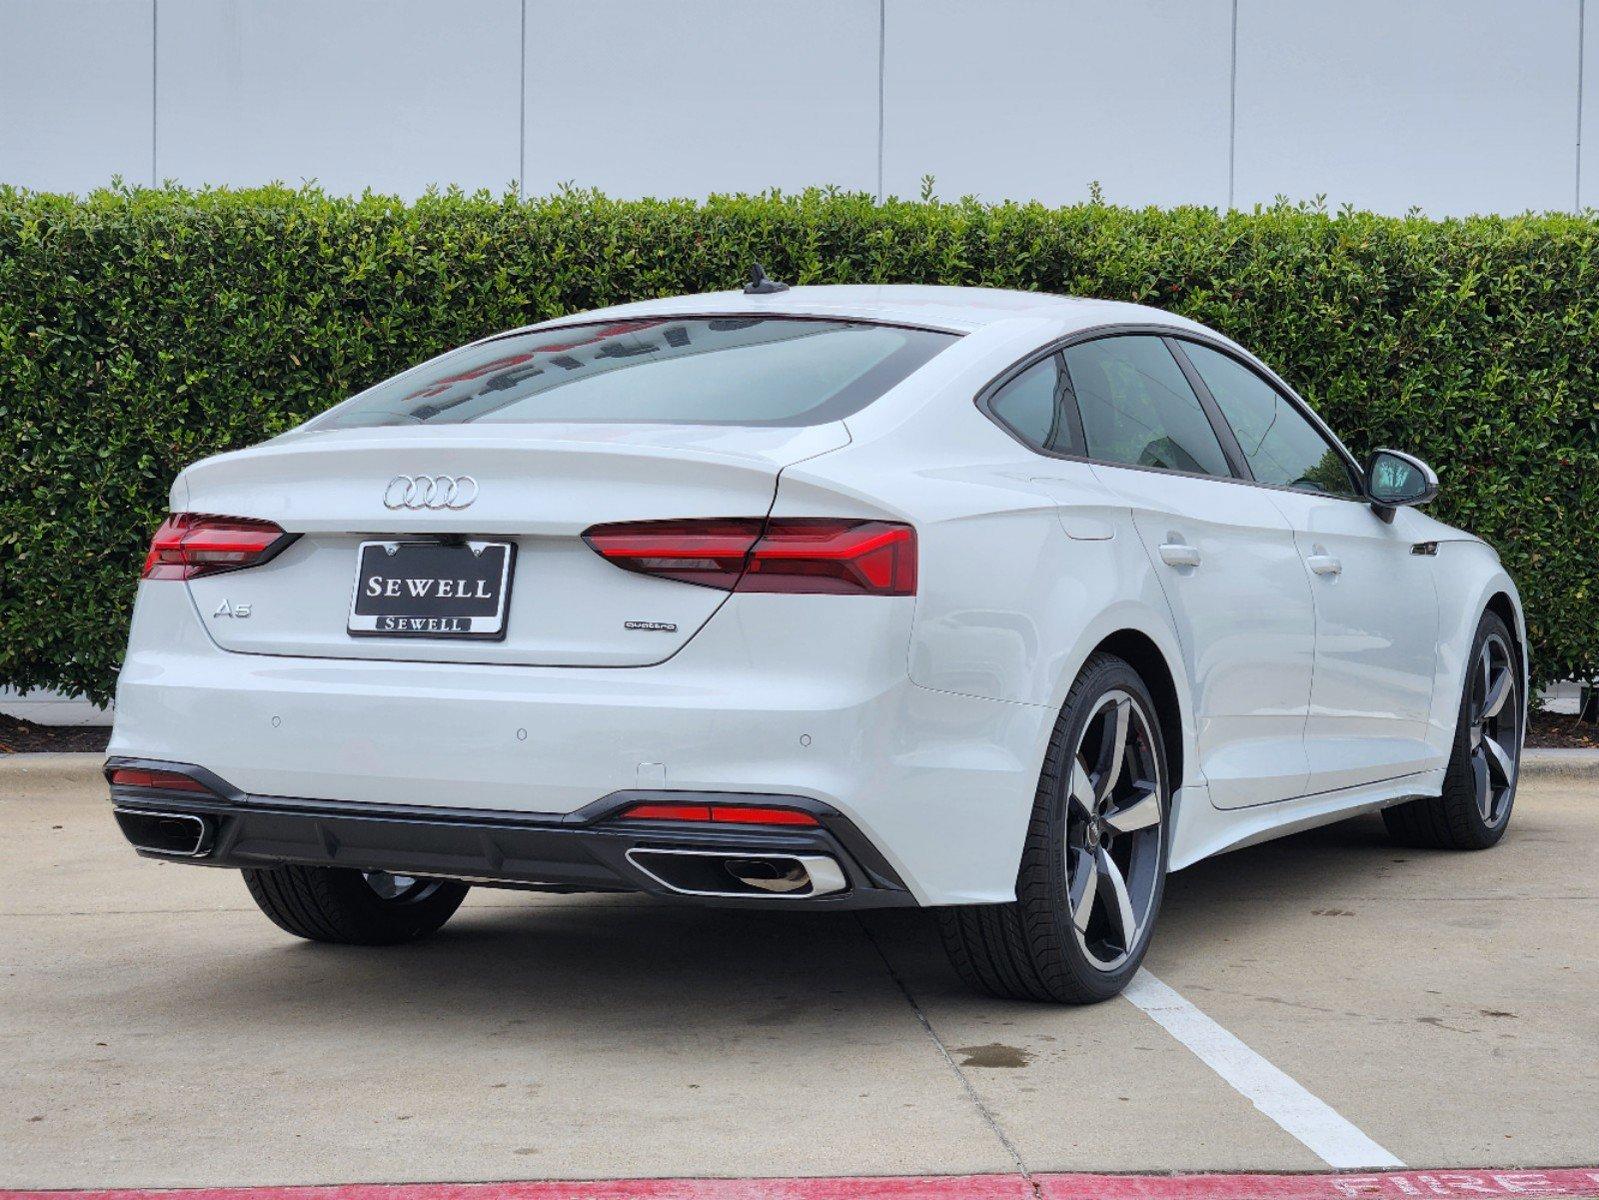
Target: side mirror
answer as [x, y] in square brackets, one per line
[1394, 480]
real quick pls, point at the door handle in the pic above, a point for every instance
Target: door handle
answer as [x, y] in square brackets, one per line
[1179, 554]
[1324, 564]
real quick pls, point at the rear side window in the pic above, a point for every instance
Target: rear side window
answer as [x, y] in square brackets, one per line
[1029, 404]
[1138, 409]
[677, 371]
[1282, 447]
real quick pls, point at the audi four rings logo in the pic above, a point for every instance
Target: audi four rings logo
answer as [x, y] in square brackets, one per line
[430, 491]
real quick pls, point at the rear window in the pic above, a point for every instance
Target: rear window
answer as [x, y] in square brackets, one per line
[678, 371]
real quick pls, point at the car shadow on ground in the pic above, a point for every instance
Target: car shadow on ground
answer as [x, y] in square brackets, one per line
[616, 962]
[579, 968]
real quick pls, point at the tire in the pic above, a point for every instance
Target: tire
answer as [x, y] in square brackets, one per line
[335, 904]
[1486, 755]
[1033, 948]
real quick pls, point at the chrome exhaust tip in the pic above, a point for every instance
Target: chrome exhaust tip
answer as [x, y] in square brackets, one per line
[740, 873]
[769, 875]
[176, 835]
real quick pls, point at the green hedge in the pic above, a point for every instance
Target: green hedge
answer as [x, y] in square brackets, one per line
[143, 329]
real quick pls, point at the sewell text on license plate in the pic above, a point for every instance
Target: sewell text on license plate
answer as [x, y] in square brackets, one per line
[431, 589]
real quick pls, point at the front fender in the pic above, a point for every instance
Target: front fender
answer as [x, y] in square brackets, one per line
[1468, 576]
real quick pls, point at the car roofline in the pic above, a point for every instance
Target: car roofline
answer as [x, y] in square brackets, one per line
[582, 320]
[955, 310]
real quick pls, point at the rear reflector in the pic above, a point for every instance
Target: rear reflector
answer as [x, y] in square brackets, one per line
[166, 781]
[728, 814]
[786, 554]
[741, 815]
[669, 812]
[189, 545]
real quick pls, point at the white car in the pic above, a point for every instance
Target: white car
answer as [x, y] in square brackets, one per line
[997, 603]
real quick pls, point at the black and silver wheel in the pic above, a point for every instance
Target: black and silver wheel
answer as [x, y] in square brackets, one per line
[1094, 866]
[1115, 828]
[366, 908]
[1479, 788]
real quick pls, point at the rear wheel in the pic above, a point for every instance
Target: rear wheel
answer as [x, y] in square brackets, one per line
[1480, 782]
[1094, 866]
[364, 908]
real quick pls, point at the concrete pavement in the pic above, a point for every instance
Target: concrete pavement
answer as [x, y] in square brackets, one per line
[156, 1030]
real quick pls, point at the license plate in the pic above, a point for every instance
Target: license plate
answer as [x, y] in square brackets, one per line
[431, 589]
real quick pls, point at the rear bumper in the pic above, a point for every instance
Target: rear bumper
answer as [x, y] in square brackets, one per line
[591, 850]
[776, 695]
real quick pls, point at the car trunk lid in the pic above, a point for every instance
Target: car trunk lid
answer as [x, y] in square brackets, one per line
[533, 487]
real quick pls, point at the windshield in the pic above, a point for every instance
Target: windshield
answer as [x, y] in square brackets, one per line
[683, 370]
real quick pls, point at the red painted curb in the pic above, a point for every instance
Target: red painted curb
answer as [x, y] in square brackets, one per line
[941, 1187]
[1376, 1185]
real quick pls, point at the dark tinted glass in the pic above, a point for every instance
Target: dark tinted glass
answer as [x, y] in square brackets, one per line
[1282, 447]
[1029, 405]
[685, 371]
[1138, 409]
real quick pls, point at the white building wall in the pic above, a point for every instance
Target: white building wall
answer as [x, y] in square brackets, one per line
[689, 97]
[1453, 105]
[387, 94]
[1035, 101]
[1457, 106]
[1588, 156]
[76, 92]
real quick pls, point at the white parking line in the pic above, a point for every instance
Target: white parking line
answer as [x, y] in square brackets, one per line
[1312, 1121]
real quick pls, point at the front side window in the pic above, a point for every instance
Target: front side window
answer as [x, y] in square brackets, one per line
[1029, 405]
[1281, 446]
[678, 371]
[1138, 409]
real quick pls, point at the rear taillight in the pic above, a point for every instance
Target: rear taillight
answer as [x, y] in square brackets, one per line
[166, 781]
[189, 545]
[724, 814]
[709, 552]
[785, 554]
[874, 558]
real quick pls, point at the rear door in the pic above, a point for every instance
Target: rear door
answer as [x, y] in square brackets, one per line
[1376, 605]
[1226, 558]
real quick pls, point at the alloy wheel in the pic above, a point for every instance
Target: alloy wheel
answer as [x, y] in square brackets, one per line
[1114, 830]
[1495, 743]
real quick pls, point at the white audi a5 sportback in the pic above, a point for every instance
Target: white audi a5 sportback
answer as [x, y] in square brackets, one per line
[1000, 603]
